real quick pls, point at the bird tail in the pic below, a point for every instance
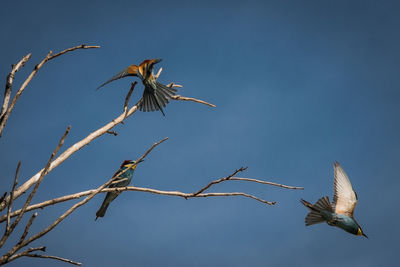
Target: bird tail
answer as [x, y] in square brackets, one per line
[102, 211]
[315, 215]
[106, 202]
[156, 99]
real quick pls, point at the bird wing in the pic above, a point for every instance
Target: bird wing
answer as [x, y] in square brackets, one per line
[129, 71]
[344, 197]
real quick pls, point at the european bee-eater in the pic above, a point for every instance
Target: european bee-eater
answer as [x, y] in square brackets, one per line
[125, 177]
[340, 213]
[155, 95]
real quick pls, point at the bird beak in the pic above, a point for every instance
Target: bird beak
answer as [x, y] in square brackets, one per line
[365, 235]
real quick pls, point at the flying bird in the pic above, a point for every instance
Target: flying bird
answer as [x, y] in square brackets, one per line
[340, 212]
[155, 95]
[127, 167]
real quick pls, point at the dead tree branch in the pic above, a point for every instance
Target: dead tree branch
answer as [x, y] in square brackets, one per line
[11, 254]
[79, 145]
[6, 110]
[9, 83]
[197, 194]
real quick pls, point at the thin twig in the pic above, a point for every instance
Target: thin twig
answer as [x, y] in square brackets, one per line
[128, 96]
[183, 98]
[7, 257]
[82, 46]
[26, 231]
[23, 253]
[54, 258]
[3, 197]
[29, 199]
[158, 74]
[220, 180]
[150, 149]
[265, 182]
[49, 56]
[11, 199]
[9, 83]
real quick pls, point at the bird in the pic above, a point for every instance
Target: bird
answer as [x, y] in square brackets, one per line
[340, 212]
[127, 168]
[155, 95]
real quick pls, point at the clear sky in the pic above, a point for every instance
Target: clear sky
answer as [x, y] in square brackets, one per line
[297, 85]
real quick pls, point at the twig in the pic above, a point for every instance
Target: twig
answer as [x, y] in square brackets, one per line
[54, 258]
[128, 96]
[11, 199]
[3, 197]
[9, 83]
[158, 74]
[79, 145]
[220, 180]
[82, 46]
[112, 132]
[150, 149]
[49, 56]
[28, 225]
[24, 253]
[29, 199]
[11, 254]
[183, 98]
[265, 182]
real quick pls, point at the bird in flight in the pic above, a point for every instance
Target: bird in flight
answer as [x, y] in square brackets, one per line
[340, 212]
[155, 95]
[126, 173]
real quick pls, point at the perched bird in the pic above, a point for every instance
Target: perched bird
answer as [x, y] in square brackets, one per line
[340, 213]
[125, 177]
[155, 95]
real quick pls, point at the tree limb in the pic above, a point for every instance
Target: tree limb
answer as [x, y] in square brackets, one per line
[161, 192]
[79, 145]
[6, 113]
[9, 83]
[10, 255]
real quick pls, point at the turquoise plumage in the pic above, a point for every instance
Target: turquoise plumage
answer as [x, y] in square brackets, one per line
[340, 213]
[125, 177]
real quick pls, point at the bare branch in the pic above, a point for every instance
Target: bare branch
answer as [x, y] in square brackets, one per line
[28, 225]
[49, 56]
[54, 258]
[220, 180]
[9, 83]
[79, 145]
[158, 74]
[3, 197]
[161, 192]
[128, 96]
[82, 46]
[150, 149]
[183, 98]
[11, 200]
[24, 253]
[29, 199]
[265, 182]
[11, 254]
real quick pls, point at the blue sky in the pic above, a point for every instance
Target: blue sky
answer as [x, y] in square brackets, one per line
[297, 85]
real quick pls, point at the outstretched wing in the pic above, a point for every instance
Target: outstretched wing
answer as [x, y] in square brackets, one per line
[344, 197]
[129, 71]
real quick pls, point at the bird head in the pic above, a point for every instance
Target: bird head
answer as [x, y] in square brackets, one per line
[130, 164]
